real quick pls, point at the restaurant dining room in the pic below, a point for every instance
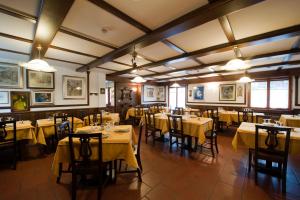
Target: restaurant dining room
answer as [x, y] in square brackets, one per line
[149, 99]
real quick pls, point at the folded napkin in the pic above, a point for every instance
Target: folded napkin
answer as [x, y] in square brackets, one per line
[121, 129]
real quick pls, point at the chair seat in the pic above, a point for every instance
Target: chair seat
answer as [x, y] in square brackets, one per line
[177, 135]
[210, 134]
[91, 168]
[264, 154]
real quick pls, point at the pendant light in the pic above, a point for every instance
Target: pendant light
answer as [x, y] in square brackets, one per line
[245, 79]
[137, 79]
[175, 85]
[236, 63]
[38, 64]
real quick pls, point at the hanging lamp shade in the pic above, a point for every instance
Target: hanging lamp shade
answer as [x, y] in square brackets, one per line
[138, 79]
[175, 85]
[235, 64]
[245, 79]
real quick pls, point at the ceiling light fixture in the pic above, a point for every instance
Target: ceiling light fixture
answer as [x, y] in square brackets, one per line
[137, 79]
[38, 64]
[245, 79]
[175, 85]
[235, 64]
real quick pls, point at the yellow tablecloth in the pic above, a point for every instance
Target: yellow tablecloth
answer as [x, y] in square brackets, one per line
[45, 128]
[195, 127]
[25, 131]
[105, 117]
[245, 135]
[290, 120]
[130, 112]
[116, 146]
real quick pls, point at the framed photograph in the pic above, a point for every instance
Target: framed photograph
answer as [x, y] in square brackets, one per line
[150, 92]
[74, 87]
[102, 90]
[239, 90]
[227, 92]
[20, 101]
[11, 76]
[160, 93]
[4, 97]
[153, 93]
[199, 93]
[40, 80]
[42, 98]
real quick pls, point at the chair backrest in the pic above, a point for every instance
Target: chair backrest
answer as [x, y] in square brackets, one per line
[260, 118]
[85, 148]
[4, 133]
[215, 123]
[95, 117]
[175, 124]
[211, 112]
[198, 113]
[178, 111]
[245, 116]
[150, 120]
[271, 141]
[63, 126]
[138, 111]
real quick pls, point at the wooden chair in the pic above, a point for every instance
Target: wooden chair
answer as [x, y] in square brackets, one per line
[176, 130]
[211, 138]
[95, 118]
[212, 112]
[245, 116]
[83, 165]
[62, 126]
[260, 118]
[198, 113]
[178, 111]
[270, 153]
[151, 127]
[7, 142]
[138, 114]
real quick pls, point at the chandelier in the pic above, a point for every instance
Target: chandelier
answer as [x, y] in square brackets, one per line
[137, 79]
[38, 64]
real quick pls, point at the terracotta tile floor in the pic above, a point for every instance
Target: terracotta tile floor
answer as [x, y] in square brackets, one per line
[165, 176]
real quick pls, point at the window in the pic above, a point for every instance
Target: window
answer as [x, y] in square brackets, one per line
[278, 91]
[177, 97]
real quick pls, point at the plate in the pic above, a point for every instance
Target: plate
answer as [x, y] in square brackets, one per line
[121, 130]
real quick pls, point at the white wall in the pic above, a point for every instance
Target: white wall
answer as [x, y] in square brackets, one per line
[97, 81]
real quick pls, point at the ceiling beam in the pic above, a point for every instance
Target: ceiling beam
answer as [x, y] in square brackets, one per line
[50, 19]
[190, 20]
[249, 41]
[267, 55]
[226, 71]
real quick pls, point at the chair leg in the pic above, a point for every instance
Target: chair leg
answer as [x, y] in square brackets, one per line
[216, 144]
[74, 186]
[153, 137]
[212, 146]
[120, 165]
[255, 168]
[139, 163]
[196, 144]
[146, 136]
[170, 147]
[182, 146]
[59, 173]
[139, 175]
[249, 161]
[283, 184]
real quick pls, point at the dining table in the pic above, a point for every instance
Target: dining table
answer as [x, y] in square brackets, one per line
[245, 136]
[25, 131]
[131, 112]
[290, 120]
[106, 117]
[118, 143]
[45, 128]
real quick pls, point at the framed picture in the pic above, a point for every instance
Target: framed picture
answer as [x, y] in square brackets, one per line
[154, 93]
[199, 93]
[42, 98]
[160, 93]
[40, 80]
[74, 87]
[227, 92]
[20, 101]
[102, 90]
[4, 97]
[239, 90]
[11, 76]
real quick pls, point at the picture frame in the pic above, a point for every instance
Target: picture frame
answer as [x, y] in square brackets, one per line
[40, 80]
[4, 97]
[240, 90]
[227, 92]
[20, 101]
[102, 90]
[42, 97]
[199, 93]
[74, 87]
[153, 93]
[11, 76]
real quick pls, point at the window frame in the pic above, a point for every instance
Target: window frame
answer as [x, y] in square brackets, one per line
[268, 93]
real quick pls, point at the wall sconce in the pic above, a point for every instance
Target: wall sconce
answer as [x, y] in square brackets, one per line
[93, 94]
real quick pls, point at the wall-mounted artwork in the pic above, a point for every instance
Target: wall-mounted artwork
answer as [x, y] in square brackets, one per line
[11, 77]
[4, 97]
[227, 92]
[74, 87]
[199, 93]
[20, 101]
[42, 98]
[102, 90]
[239, 90]
[40, 80]
[153, 93]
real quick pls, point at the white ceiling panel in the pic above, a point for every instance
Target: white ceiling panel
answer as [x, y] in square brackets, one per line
[190, 78]
[56, 63]
[127, 60]
[13, 57]
[28, 6]
[156, 13]
[158, 51]
[200, 37]
[295, 57]
[149, 78]
[162, 76]
[176, 79]
[64, 55]
[74, 43]
[104, 71]
[128, 75]
[263, 69]
[217, 57]
[209, 75]
[181, 64]
[15, 45]
[87, 18]
[232, 73]
[114, 66]
[264, 61]
[160, 69]
[204, 70]
[269, 47]
[15, 26]
[264, 17]
[143, 72]
[179, 73]
[291, 66]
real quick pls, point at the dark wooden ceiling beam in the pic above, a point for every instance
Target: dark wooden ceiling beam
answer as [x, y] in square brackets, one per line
[190, 20]
[226, 71]
[50, 19]
[249, 41]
